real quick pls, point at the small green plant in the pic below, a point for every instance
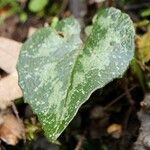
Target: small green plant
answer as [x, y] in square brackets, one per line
[58, 72]
[37, 5]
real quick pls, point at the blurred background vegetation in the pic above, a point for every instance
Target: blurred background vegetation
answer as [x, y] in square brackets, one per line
[19, 17]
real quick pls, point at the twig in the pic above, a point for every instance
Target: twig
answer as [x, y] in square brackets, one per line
[80, 143]
[128, 95]
[111, 3]
[18, 119]
[119, 97]
[63, 7]
[136, 6]
[122, 145]
[15, 112]
[132, 103]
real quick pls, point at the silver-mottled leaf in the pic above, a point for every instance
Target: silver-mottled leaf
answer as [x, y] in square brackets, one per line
[58, 74]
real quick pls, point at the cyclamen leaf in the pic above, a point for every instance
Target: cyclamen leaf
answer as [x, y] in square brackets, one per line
[57, 73]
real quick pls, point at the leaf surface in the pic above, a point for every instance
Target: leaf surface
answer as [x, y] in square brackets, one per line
[58, 73]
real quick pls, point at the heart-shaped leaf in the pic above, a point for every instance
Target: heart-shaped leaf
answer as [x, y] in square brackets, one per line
[58, 73]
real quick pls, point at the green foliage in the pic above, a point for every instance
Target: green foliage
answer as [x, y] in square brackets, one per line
[54, 22]
[37, 5]
[58, 73]
[143, 47]
[23, 17]
[41, 8]
[14, 7]
[137, 71]
[11, 3]
[145, 13]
